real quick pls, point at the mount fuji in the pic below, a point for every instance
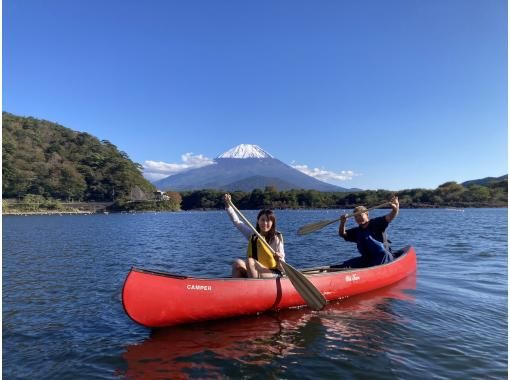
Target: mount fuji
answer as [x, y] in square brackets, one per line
[244, 167]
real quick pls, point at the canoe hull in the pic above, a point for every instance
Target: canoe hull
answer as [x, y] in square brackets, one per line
[156, 299]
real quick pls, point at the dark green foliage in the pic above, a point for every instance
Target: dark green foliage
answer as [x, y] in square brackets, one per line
[47, 159]
[450, 194]
[202, 199]
[144, 206]
[32, 202]
[487, 181]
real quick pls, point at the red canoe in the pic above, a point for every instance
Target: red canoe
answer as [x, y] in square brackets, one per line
[157, 299]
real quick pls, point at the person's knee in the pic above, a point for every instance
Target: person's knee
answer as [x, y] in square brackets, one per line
[239, 268]
[238, 263]
[382, 258]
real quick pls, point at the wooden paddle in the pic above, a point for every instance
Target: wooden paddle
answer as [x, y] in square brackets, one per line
[312, 227]
[312, 296]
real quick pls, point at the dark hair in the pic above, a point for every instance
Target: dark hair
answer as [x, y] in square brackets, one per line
[272, 217]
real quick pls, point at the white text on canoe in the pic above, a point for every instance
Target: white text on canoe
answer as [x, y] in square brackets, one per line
[353, 277]
[199, 287]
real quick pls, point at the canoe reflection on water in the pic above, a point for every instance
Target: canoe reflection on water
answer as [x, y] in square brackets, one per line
[200, 349]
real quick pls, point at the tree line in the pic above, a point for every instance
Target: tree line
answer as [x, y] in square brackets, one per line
[449, 194]
[45, 164]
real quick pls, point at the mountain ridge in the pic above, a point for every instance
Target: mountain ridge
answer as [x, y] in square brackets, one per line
[484, 181]
[233, 169]
[257, 182]
[243, 151]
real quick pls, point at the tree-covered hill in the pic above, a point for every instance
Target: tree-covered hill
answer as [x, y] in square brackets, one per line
[44, 158]
[487, 181]
[41, 158]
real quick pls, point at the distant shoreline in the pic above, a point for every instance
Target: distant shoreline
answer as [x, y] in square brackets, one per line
[99, 212]
[48, 212]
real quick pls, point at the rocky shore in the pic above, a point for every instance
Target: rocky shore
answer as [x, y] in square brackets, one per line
[48, 212]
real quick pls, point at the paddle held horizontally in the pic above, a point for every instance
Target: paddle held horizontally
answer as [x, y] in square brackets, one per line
[312, 227]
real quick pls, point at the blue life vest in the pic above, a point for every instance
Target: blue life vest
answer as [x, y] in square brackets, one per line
[372, 250]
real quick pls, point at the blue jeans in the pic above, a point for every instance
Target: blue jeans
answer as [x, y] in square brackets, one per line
[362, 262]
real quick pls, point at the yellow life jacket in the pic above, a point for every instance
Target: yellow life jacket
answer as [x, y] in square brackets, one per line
[262, 254]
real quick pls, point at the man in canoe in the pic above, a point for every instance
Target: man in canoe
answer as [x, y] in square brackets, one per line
[370, 236]
[260, 262]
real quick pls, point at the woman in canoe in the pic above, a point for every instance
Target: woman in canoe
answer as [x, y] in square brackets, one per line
[260, 262]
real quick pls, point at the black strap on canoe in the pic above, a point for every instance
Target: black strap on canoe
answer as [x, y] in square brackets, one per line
[254, 250]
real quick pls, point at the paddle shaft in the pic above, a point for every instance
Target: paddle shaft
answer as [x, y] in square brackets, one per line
[367, 210]
[310, 294]
[261, 238]
[309, 228]
[358, 213]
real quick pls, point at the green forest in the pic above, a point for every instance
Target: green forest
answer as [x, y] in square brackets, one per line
[47, 159]
[449, 194]
[46, 164]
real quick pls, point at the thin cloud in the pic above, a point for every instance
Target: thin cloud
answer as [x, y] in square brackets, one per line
[325, 175]
[155, 170]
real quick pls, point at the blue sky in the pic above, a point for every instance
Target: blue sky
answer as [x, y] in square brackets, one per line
[373, 94]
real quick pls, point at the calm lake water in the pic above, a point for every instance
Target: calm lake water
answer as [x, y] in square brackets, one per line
[63, 316]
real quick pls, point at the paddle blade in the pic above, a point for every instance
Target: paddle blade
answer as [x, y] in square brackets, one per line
[312, 227]
[312, 296]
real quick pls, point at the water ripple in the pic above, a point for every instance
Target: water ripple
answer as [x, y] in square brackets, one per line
[62, 315]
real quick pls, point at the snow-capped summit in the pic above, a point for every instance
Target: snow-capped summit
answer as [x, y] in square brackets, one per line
[244, 168]
[245, 151]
